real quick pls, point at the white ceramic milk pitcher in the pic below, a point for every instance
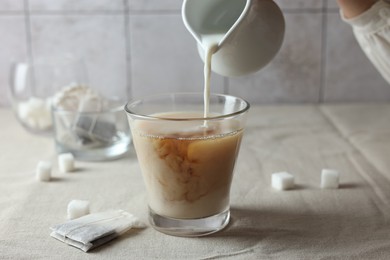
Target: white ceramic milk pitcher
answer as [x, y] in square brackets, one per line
[249, 33]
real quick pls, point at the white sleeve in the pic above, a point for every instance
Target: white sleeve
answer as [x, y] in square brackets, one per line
[372, 31]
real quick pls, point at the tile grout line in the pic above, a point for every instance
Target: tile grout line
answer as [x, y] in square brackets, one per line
[30, 53]
[226, 84]
[129, 84]
[77, 12]
[28, 30]
[104, 12]
[323, 63]
[12, 12]
[301, 10]
[146, 12]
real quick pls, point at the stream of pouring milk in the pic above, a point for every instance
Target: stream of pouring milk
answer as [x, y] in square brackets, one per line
[210, 46]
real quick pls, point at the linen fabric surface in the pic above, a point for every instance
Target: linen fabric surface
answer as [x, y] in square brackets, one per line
[307, 222]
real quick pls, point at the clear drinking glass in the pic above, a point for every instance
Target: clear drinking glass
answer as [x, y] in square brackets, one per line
[92, 136]
[33, 83]
[187, 160]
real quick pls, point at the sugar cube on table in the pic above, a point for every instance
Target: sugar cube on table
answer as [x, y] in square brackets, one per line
[43, 171]
[282, 181]
[66, 162]
[330, 179]
[78, 208]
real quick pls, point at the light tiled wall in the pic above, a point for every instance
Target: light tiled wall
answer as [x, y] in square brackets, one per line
[134, 48]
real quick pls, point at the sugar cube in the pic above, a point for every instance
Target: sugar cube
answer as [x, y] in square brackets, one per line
[35, 113]
[282, 181]
[329, 179]
[66, 162]
[78, 208]
[43, 171]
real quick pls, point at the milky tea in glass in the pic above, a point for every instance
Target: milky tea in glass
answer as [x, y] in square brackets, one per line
[187, 160]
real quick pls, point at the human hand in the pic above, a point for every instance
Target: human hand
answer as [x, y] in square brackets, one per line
[352, 8]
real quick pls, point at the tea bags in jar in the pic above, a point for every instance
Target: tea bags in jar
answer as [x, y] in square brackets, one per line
[81, 110]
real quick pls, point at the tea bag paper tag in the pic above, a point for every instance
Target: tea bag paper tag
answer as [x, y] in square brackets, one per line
[93, 230]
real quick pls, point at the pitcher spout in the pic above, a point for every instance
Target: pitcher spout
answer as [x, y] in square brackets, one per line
[248, 33]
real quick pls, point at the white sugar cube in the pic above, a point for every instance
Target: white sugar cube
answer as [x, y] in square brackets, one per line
[78, 208]
[330, 179]
[66, 162]
[282, 181]
[43, 171]
[35, 113]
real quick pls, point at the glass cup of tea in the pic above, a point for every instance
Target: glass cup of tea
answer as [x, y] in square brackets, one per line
[187, 160]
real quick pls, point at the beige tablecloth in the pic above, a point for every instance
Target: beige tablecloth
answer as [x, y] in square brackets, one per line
[305, 223]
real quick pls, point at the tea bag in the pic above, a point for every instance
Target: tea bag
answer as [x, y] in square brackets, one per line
[87, 127]
[71, 97]
[94, 129]
[93, 230]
